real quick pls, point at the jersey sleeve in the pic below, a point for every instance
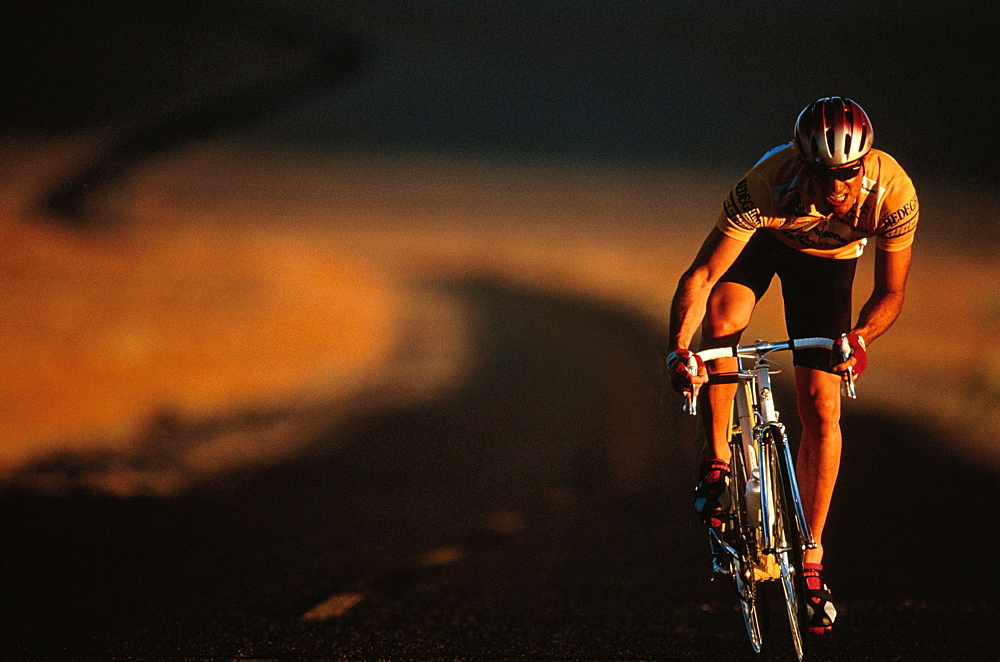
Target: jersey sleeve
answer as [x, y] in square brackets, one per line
[741, 213]
[899, 214]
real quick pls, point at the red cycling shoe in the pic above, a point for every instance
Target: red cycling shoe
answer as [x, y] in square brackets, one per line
[820, 610]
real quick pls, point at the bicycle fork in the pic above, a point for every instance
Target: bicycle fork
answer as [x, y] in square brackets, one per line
[773, 436]
[770, 440]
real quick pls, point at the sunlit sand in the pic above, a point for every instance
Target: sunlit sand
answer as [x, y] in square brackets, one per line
[229, 306]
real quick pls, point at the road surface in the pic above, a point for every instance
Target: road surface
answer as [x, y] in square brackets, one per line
[496, 523]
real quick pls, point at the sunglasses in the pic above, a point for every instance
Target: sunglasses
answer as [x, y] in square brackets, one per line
[841, 174]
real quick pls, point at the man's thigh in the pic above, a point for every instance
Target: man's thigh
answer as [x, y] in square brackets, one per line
[818, 303]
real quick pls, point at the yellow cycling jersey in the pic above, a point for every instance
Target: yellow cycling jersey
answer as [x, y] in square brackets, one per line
[770, 197]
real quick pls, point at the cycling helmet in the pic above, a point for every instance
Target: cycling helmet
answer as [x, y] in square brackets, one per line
[832, 132]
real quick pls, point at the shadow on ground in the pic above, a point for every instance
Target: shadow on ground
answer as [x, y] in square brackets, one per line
[560, 429]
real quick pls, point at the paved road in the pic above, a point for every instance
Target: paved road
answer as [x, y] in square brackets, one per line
[539, 512]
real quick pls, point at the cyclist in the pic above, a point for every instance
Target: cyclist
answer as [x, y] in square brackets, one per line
[805, 212]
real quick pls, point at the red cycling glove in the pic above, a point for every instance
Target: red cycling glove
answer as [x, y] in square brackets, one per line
[860, 353]
[677, 366]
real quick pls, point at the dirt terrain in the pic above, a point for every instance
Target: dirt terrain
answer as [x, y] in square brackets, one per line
[232, 304]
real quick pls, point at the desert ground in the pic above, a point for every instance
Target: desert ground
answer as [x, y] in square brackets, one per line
[235, 303]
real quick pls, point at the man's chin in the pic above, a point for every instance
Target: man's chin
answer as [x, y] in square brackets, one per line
[828, 207]
[842, 209]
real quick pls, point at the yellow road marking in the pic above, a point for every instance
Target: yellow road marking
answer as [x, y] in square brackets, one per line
[333, 607]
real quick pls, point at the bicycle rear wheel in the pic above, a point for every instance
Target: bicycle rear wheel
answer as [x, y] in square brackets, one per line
[789, 543]
[742, 539]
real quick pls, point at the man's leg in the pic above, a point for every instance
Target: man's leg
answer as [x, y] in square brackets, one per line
[818, 459]
[817, 296]
[729, 309]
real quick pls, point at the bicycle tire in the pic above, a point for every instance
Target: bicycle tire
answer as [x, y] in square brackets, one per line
[741, 537]
[789, 545]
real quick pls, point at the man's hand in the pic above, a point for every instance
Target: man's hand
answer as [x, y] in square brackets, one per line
[679, 366]
[858, 360]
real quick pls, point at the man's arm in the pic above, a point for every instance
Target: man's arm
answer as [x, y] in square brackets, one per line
[717, 254]
[886, 301]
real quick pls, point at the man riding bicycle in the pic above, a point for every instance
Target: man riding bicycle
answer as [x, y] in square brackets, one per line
[805, 212]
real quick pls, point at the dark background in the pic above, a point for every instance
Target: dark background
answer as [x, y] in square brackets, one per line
[670, 83]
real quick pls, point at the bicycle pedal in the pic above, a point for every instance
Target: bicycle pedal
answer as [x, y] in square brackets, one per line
[720, 561]
[720, 569]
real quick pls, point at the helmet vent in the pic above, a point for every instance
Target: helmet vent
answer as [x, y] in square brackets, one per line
[833, 131]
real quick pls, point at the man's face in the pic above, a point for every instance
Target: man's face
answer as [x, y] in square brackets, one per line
[834, 190]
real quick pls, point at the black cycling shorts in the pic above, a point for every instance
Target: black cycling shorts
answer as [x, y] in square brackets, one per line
[816, 291]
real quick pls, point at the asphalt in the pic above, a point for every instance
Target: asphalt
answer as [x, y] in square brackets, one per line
[498, 523]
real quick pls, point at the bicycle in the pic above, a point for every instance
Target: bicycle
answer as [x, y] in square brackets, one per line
[766, 533]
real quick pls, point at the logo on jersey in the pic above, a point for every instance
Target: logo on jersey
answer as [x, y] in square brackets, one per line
[740, 207]
[901, 221]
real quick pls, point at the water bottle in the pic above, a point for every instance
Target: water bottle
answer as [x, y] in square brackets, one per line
[753, 497]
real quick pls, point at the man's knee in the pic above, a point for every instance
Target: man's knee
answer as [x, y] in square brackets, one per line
[728, 312]
[723, 329]
[820, 413]
[818, 399]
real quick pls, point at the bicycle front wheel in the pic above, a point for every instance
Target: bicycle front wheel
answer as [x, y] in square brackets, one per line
[787, 538]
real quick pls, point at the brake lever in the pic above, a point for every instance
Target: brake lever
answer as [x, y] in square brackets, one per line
[691, 406]
[847, 386]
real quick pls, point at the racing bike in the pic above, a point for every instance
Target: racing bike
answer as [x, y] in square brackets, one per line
[764, 533]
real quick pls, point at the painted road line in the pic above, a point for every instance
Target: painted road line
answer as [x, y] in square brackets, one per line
[333, 607]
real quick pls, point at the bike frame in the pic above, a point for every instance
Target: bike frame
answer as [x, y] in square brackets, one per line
[757, 436]
[755, 411]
